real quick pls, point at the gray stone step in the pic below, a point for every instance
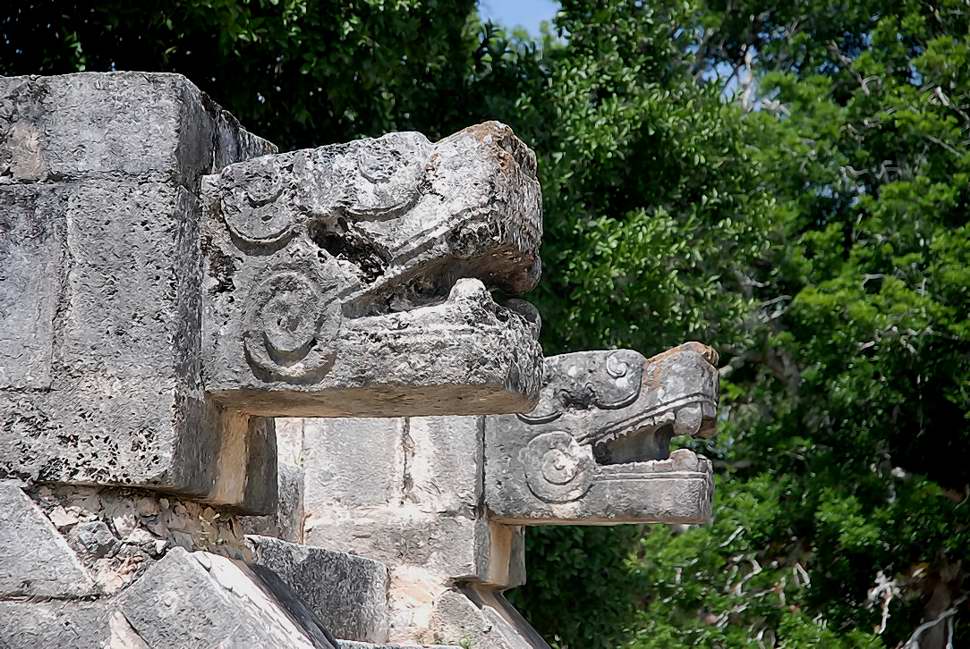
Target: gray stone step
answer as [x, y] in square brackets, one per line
[347, 593]
[35, 560]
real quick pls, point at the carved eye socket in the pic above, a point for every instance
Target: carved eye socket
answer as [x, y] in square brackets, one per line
[287, 324]
[291, 322]
[251, 208]
[557, 468]
[389, 173]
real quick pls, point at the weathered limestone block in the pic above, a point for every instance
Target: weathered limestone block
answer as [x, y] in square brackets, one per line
[413, 501]
[204, 600]
[347, 593]
[483, 619]
[114, 402]
[448, 545]
[62, 625]
[100, 301]
[432, 464]
[358, 270]
[339, 477]
[445, 463]
[78, 126]
[35, 560]
[596, 448]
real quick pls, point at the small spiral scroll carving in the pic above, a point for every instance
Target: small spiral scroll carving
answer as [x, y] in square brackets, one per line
[291, 323]
[557, 468]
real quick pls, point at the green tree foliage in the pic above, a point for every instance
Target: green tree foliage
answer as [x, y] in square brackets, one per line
[787, 181]
[300, 72]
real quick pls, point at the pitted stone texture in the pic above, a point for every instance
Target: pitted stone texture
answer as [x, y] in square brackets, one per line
[484, 620]
[33, 258]
[347, 593]
[119, 533]
[62, 625]
[145, 341]
[35, 560]
[100, 301]
[204, 600]
[359, 271]
[78, 126]
[595, 450]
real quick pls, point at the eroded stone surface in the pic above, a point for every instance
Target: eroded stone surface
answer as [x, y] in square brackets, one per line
[59, 625]
[414, 502]
[347, 593]
[35, 561]
[78, 126]
[100, 298]
[204, 600]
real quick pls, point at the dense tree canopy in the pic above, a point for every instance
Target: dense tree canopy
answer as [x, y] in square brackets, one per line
[787, 181]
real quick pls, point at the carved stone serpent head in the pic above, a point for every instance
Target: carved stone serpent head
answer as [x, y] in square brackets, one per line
[596, 449]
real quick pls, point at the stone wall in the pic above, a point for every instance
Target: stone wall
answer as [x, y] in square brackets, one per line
[258, 399]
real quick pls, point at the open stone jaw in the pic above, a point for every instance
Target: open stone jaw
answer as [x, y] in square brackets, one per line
[361, 271]
[596, 448]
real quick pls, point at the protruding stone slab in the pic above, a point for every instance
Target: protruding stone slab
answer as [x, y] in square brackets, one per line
[204, 600]
[347, 593]
[483, 618]
[596, 448]
[35, 560]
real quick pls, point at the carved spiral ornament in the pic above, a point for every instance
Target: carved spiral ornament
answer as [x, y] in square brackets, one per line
[291, 324]
[557, 468]
[252, 211]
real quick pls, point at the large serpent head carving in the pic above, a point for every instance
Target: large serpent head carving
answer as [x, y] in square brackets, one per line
[596, 448]
[364, 270]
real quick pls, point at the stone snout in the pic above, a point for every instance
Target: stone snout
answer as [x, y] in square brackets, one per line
[354, 279]
[596, 450]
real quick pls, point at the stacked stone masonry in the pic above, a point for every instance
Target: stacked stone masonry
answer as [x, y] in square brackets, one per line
[259, 399]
